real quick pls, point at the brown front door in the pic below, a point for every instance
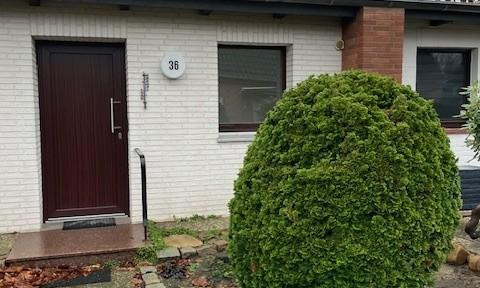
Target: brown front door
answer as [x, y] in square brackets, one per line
[84, 146]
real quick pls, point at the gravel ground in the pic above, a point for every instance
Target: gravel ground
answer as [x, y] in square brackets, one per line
[460, 277]
[121, 278]
[456, 277]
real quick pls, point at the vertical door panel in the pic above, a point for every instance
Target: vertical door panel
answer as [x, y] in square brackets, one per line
[84, 164]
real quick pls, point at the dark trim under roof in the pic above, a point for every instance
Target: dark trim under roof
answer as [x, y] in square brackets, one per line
[249, 6]
[434, 5]
[418, 9]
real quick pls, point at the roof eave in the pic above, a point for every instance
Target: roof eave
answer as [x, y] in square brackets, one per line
[267, 7]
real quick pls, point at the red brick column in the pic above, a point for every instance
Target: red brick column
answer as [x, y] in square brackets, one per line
[374, 41]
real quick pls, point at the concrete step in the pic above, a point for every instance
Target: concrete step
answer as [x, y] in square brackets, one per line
[76, 247]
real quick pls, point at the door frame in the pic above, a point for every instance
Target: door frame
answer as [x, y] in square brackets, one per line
[123, 79]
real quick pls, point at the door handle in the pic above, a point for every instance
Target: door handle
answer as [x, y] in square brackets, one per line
[112, 115]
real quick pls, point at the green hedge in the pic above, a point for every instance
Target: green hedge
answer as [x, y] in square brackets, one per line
[350, 182]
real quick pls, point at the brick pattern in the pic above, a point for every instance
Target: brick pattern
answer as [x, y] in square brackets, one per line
[19, 157]
[189, 171]
[374, 41]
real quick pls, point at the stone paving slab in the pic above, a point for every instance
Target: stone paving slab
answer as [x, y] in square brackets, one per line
[168, 253]
[150, 278]
[156, 285]
[181, 241]
[188, 252]
[148, 269]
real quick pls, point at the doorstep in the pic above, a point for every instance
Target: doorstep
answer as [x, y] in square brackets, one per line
[76, 247]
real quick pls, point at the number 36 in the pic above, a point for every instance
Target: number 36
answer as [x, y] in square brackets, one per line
[173, 65]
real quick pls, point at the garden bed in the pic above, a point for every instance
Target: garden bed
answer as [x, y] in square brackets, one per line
[210, 266]
[209, 269]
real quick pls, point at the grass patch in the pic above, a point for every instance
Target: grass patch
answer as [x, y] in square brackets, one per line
[193, 267]
[197, 217]
[111, 264]
[192, 226]
[148, 253]
[214, 269]
[156, 235]
[210, 234]
[167, 231]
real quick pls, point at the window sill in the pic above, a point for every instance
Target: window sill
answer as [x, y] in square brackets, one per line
[453, 131]
[228, 137]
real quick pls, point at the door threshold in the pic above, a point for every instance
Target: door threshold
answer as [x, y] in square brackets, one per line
[86, 217]
[57, 223]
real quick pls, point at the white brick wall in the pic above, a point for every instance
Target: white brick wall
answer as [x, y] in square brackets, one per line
[19, 157]
[420, 34]
[189, 171]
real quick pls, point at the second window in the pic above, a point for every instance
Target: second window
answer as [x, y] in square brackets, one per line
[441, 75]
[251, 80]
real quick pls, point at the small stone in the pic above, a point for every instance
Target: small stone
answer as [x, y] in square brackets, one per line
[155, 285]
[4, 251]
[458, 256]
[150, 278]
[181, 241]
[6, 244]
[168, 253]
[205, 249]
[474, 262]
[148, 269]
[188, 252]
[2, 263]
[223, 256]
[220, 245]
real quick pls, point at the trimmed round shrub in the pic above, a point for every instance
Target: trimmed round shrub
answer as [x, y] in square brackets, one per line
[350, 182]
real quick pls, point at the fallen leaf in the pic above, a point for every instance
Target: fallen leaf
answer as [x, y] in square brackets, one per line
[201, 282]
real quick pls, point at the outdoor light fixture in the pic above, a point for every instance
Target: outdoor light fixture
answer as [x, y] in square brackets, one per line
[143, 91]
[340, 45]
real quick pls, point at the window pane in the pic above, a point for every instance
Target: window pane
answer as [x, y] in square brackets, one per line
[250, 82]
[440, 76]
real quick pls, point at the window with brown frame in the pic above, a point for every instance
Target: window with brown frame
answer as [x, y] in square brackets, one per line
[251, 80]
[441, 75]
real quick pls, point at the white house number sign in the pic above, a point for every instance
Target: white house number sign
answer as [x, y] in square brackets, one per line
[173, 65]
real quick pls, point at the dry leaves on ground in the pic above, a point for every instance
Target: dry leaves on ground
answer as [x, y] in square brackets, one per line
[137, 281]
[201, 282]
[21, 277]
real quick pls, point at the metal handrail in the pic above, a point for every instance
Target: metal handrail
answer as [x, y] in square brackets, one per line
[144, 191]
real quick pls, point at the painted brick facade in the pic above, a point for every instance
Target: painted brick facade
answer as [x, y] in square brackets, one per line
[374, 41]
[189, 170]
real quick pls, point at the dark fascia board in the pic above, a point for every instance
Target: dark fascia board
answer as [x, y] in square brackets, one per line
[407, 4]
[414, 9]
[264, 6]
[470, 18]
